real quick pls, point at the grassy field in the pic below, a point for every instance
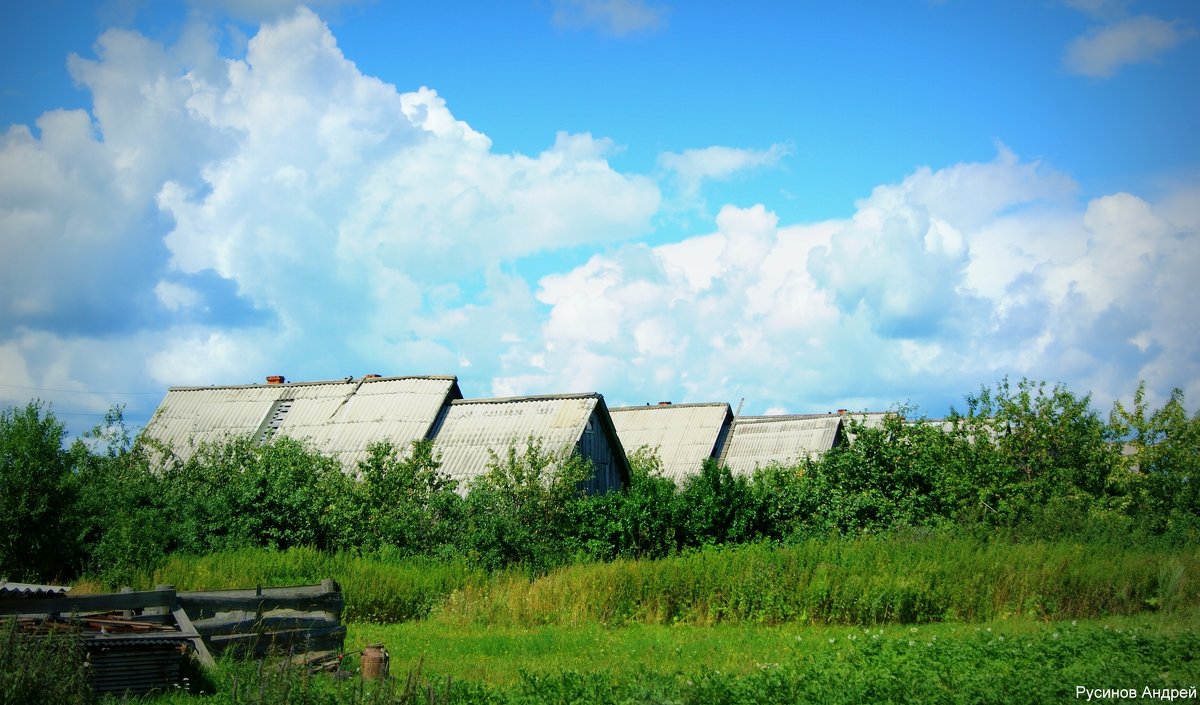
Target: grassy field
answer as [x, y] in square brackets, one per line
[499, 656]
[884, 620]
[1010, 661]
[883, 580]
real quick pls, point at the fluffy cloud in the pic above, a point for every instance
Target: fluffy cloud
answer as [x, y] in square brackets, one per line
[214, 220]
[694, 166]
[945, 280]
[613, 17]
[281, 212]
[1104, 50]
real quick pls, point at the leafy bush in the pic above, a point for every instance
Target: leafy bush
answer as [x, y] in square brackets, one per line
[407, 504]
[37, 493]
[523, 510]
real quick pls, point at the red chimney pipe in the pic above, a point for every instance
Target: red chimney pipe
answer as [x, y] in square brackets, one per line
[275, 379]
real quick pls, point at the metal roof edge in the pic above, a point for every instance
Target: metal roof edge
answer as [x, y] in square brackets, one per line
[536, 397]
[309, 383]
[783, 417]
[688, 405]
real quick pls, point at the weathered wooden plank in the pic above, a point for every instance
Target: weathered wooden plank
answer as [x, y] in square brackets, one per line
[79, 604]
[186, 626]
[203, 605]
[249, 623]
[324, 597]
[324, 638]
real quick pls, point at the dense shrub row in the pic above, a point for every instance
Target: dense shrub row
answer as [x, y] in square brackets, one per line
[1021, 460]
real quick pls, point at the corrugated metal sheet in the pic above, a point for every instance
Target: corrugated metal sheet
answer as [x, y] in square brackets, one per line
[11, 589]
[472, 430]
[759, 441]
[683, 435]
[339, 418]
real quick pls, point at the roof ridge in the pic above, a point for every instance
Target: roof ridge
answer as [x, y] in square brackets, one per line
[533, 397]
[312, 383]
[683, 405]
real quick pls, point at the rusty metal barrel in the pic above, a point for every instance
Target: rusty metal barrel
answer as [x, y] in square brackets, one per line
[375, 661]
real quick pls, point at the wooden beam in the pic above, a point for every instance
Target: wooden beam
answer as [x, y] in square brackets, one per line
[189, 630]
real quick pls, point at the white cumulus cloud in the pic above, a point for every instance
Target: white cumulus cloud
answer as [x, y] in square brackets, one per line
[613, 17]
[1104, 50]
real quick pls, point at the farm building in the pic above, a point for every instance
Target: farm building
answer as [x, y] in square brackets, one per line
[340, 418]
[761, 441]
[471, 430]
[682, 435]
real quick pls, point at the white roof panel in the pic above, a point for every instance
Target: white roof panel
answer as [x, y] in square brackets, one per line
[339, 418]
[682, 435]
[759, 441]
[474, 429]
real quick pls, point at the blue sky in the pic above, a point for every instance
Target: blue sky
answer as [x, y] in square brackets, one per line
[808, 206]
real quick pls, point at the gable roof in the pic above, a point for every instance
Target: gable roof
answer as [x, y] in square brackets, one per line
[340, 418]
[472, 429]
[759, 441]
[682, 435]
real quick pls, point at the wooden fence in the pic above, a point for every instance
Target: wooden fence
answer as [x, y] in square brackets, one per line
[135, 639]
[255, 621]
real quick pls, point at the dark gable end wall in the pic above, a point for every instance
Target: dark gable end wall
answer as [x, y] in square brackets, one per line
[594, 446]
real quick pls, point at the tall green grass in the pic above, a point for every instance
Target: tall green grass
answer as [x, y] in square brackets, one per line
[850, 581]
[877, 580]
[376, 587]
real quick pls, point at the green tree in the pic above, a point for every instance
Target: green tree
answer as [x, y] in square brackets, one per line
[1041, 454]
[1158, 476]
[640, 521]
[123, 525]
[715, 507]
[522, 511]
[37, 491]
[408, 503]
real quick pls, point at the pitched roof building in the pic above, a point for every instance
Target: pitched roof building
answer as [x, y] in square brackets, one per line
[340, 418]
[761, 441]
[472, 430]
[682, 435]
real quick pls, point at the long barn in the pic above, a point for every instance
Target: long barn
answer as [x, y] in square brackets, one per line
[339, 418]
[474, 431]
[683, 436]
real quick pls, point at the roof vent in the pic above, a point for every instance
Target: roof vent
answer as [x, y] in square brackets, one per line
[664, 403]
[275, 379]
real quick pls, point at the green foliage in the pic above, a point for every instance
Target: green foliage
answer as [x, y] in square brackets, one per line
[242, 493]
[44, 668]
[37, 492]
[407, 502]
[523, 510]
[121, 520]
[1016, 661]
[1034, 446]
[641, 521]
[1159, 480]
[714, 507]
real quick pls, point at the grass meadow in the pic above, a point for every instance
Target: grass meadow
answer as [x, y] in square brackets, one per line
[896, 619]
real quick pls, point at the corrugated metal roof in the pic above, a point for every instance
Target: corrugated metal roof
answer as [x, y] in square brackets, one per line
[11, 589]
[759, 441]
[340, 418]
[683, 435]
[473, 429]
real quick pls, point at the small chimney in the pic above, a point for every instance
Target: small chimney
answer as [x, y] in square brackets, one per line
[664, 403]
[372, 376]
[275, 379]
[841, 412]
